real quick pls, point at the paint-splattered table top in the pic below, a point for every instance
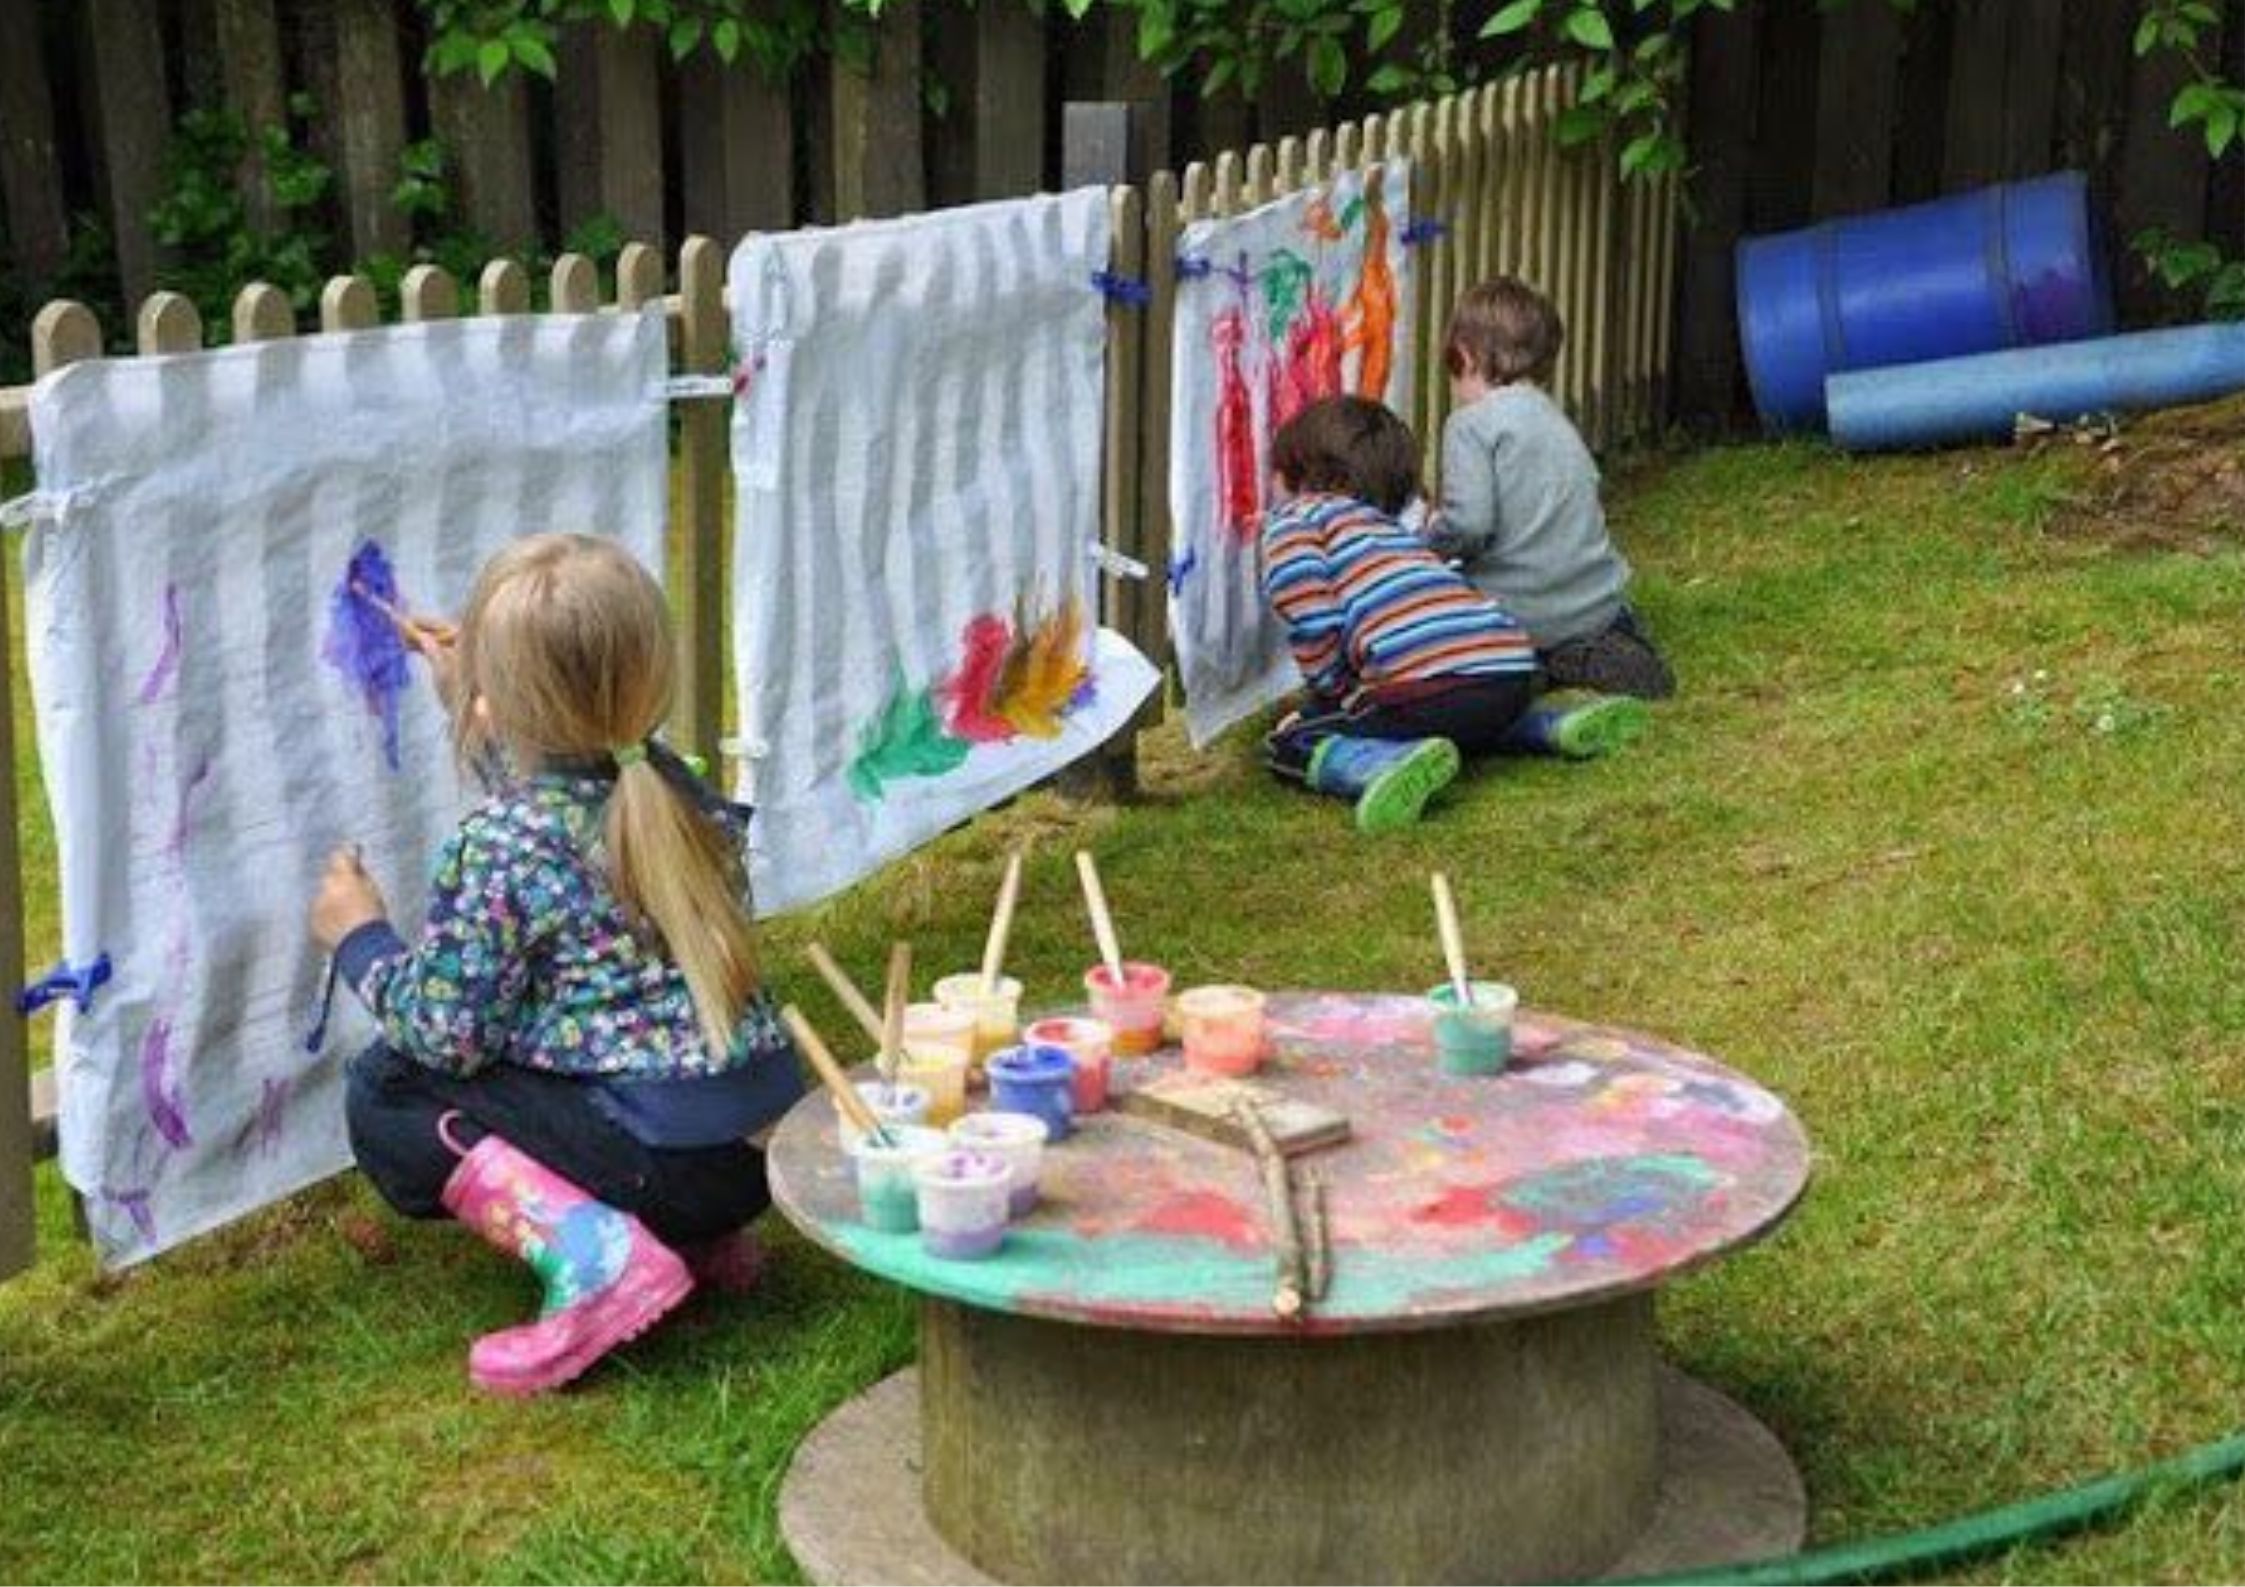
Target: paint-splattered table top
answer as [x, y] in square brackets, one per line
[1601, 1162]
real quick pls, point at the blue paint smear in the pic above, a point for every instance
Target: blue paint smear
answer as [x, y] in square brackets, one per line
[364, 646]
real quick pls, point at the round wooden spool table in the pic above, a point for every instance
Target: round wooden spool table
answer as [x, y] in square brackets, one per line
[1476, 1397]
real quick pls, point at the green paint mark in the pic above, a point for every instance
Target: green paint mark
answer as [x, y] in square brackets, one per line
[905, 740]
[1596, 1195]
[1285, 281]
[1351, 213]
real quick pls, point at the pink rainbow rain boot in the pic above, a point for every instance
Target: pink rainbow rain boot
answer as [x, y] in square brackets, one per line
[607, 1279]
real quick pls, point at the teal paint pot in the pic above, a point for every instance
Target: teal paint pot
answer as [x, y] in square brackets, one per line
[1476, 1038]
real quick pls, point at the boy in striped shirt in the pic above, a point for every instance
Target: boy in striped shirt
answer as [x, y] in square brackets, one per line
[1408, 666]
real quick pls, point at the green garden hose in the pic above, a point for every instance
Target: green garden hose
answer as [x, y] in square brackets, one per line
[2067, 1510]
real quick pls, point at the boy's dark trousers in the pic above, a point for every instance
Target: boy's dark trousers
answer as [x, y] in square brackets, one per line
[1473, 713]
[393, 1105]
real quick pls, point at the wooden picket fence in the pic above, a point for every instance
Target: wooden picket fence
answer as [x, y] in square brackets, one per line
[1484, 165]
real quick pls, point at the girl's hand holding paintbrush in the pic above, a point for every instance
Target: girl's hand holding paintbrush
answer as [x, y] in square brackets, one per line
[433, 639]
[347, 898]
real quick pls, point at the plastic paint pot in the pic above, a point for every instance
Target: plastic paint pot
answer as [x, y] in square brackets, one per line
[962, 1203]
[1016, 1139]
[892, 1105]
[996, 1010]
[938, 1025]
[1035, 1080]
[1223, 1029]
[888, 1196]
[941, 1071]
[1133, 1008]
[1475, 1040]
[1089, 1043]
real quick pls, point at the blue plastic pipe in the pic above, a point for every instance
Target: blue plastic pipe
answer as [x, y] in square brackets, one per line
[1981, 399]
[2017, 265]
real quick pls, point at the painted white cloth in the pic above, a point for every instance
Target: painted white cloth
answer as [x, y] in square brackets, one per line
[1306, 297]
[917, 457]
[217, 709]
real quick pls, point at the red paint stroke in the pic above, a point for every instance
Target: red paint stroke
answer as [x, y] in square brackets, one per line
[1204, 1215]
[1310, 368]
[1239, 486]
[159, 1086]
[166, 665]
[1371, 311]
[1473, 1207]
[970, 694]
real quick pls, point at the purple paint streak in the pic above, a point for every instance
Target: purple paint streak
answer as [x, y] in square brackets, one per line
[136, 1207]
[176, 844]
[159, 1086]
[262, 1134]
[167, 655]
[363, 644]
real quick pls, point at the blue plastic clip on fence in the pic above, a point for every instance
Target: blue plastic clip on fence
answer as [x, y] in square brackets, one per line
[76, 982]
[1123, 289]
[1191, 267]
[1424, 230]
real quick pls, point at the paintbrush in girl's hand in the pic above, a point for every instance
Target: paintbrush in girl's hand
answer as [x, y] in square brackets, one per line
[398, 619]
[316, 1037]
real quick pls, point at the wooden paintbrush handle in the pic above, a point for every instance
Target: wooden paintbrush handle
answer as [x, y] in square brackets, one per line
[845, 1095]
[846, 989]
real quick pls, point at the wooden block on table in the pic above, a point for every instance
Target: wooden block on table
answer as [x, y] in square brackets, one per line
[1202, 1105]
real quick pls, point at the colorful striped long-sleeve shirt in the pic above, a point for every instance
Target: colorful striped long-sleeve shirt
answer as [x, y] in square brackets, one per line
[1367, 605]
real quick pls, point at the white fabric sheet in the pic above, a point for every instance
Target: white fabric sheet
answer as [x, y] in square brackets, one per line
[917, 454]
[205, 741]
[1275, 308]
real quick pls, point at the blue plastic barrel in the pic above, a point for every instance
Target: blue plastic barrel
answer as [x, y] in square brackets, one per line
[1980, 398]
[2016, 265]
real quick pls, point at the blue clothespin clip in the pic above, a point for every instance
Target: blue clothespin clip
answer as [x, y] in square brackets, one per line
[1423, 230]
[1126, 290]
[65, 980]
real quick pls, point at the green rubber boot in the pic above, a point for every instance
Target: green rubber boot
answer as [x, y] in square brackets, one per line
[1390, 780]
[1579, 725]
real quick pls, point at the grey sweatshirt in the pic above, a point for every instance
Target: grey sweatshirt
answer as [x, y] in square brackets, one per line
[1520, 508]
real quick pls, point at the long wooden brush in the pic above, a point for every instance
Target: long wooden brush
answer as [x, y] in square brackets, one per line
[894, 996]
[1453, 940]
[822, 1063]
[853, 1001]
[1001, 925]
[1102, 922]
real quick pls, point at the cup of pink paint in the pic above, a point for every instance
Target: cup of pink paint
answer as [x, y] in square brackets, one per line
[1132, 1007]
[963, 1199]
[1222, 1028]
[1089, 1043]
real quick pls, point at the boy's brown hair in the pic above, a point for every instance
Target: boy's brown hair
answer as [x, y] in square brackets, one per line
[1349, 446]
[1504, 330]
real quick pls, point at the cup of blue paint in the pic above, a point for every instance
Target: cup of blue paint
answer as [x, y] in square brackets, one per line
[1475, 1037]
[1037, 1080]
[962, 1203]
[892, 1104]
[887, 1193]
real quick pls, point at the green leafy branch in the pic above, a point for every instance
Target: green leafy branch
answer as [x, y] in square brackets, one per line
[494, 37]
[2216, 106]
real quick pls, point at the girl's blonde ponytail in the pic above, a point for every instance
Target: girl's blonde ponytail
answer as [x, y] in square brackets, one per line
[677, 868]
[566, 653]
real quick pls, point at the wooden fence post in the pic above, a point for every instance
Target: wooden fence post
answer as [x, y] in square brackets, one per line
[874, 139]
[486, 134]
[737, 144]
[370, 106]
[699, 577]
[30, 178]
[1725, 63]
[248, 45]
[63, 334]
[1156, 532]
[134, 125]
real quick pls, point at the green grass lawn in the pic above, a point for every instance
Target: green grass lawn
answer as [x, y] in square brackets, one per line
[1936, 845]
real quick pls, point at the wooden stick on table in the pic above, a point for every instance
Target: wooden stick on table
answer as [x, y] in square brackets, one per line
[1286, 1234]
[844, 988]
[1321, 1250]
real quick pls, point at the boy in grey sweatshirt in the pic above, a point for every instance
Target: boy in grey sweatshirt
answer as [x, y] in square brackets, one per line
[1520, 499]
